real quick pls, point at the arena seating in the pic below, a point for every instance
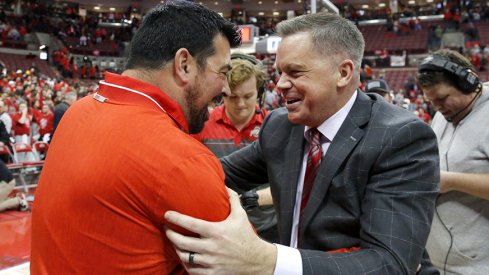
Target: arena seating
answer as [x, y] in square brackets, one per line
[377, 37]
[483, 29]
[105, 48]
[23, 62]
[14, 44]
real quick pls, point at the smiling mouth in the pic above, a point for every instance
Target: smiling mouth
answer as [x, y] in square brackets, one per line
[293, 101]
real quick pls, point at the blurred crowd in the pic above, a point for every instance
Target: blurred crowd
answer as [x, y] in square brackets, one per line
[28, 100]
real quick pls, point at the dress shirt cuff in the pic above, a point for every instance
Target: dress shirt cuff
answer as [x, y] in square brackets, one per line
[289, 261]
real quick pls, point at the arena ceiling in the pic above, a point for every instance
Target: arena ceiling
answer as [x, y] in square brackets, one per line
[252, 7]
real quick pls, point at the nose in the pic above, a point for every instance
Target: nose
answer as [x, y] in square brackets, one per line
[283, 83]
[241, 102]
[437, 104]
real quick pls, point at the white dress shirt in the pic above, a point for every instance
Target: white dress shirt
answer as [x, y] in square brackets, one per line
[289, 259]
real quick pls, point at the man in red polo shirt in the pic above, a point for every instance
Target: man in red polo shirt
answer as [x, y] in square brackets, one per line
[123, 157]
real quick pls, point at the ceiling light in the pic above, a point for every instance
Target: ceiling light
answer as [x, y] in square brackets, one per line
[261, 13]
[382, 5]
[276, 13]
[112, 9]
[364, 6]
[96, 8]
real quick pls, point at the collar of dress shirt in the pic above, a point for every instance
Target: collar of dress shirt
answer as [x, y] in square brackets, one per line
[332, 125]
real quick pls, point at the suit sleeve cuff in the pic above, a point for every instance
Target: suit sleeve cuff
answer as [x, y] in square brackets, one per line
[289, 261]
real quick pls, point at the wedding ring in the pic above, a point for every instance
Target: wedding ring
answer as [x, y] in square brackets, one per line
[191, 256]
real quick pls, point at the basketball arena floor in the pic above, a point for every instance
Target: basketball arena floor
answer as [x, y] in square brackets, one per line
[15, 240]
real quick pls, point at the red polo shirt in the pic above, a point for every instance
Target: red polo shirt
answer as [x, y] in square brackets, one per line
[221, 136]
[119, 160]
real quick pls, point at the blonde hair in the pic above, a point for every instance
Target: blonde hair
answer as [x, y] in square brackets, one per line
[243, 70]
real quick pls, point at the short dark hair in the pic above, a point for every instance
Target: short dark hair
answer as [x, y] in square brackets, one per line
[178, 24]
[430, 78]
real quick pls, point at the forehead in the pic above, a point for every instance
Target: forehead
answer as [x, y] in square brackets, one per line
[438, 90]
[304, 39]
[289, 51]
[223, 51]
[247, 87]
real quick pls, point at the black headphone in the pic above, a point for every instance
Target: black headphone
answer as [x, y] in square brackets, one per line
[247, 57]
[466, 79]
[255, 62]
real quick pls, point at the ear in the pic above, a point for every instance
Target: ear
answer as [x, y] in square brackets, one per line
[183, 66]
[346, 70]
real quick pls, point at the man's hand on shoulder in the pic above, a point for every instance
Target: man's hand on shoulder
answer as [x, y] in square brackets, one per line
[227, 247]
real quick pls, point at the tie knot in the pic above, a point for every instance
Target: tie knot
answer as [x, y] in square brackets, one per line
[314, 136]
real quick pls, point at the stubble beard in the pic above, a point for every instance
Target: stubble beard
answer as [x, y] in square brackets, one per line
[197, 116]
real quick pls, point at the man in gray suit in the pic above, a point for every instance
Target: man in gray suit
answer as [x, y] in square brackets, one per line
[372, 199]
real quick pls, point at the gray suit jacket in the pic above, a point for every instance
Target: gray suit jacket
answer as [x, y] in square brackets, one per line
[375, 188]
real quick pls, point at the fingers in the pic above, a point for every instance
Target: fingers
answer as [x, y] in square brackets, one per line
[199, 261]
[235, 202]
[186, 243]
[198, 226]
[234, 199]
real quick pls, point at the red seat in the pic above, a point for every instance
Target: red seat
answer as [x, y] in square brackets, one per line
[23, 152]
[40, 149]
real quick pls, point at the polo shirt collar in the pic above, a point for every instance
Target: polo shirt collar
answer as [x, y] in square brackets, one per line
[223, 118]
[125, 90]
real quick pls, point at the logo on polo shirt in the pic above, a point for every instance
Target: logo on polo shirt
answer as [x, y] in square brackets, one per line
[254, 133]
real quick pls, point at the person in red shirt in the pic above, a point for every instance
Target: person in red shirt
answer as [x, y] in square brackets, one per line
[45, 121]
[236, 124]
[123, 157]
[21, 124]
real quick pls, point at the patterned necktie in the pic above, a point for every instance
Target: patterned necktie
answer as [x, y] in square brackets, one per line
[313, 162]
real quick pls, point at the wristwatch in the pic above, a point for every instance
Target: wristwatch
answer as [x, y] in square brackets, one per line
[249, 199]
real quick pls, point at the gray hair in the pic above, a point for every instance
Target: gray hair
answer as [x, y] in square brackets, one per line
[332, 35]
[70, 96]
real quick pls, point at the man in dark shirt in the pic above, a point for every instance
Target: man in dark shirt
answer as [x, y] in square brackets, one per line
[60, 109]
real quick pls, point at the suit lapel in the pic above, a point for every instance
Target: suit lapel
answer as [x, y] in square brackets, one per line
[346, 139]
[293, 165]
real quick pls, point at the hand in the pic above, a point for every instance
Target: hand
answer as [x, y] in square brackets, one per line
[227, 247]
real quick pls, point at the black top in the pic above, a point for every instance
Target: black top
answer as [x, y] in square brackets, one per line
[5, 174]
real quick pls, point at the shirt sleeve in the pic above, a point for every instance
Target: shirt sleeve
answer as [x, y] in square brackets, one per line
[289, 261]
[195, 187]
